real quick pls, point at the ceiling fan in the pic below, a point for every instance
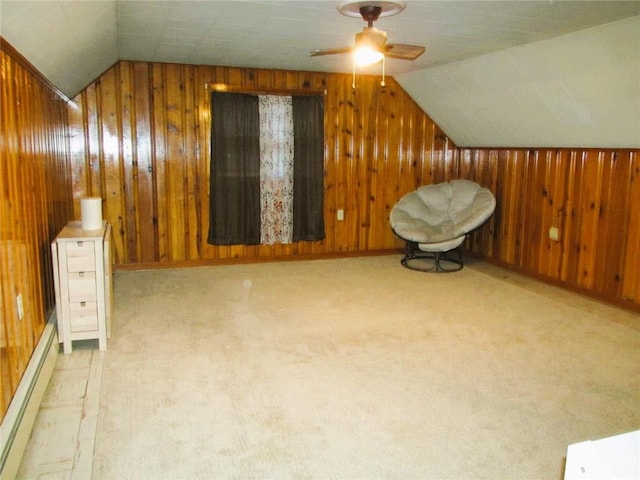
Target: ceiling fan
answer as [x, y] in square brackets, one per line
[371, 39]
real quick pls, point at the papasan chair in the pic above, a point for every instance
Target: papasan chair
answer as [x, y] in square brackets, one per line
[434, 221]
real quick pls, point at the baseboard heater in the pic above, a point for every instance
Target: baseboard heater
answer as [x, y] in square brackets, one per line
[17, 424]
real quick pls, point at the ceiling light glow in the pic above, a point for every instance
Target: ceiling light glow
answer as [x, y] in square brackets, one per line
[366, 55]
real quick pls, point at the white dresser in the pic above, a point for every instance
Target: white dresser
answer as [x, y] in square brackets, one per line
[83, 284]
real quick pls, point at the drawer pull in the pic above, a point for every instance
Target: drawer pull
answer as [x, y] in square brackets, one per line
[79, 244]
[81, 274]
[83, 304]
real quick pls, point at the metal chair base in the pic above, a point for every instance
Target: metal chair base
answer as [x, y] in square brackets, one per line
[436, 262]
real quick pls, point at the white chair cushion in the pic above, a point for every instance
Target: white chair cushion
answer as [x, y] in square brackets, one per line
[441, 214]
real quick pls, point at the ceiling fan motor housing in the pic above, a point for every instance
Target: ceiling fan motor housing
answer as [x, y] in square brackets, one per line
[370, 13]
[372, 37]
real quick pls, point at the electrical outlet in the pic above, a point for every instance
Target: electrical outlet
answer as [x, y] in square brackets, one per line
[20, 307]
[554, 234]
[340, 214]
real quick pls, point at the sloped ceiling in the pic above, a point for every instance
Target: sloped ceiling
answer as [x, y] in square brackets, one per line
[73, 41]
[577, 90]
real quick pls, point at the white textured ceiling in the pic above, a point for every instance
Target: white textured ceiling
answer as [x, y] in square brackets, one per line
[73, 41]
[581, 89]
[495, 73]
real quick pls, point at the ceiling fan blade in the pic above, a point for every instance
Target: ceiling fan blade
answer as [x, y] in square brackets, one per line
[331, 51]
[404, 52]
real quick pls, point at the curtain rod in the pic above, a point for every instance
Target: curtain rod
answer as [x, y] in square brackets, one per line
[223, 87]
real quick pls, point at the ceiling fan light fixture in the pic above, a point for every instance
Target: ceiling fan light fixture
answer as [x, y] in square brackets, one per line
[365, 55]
[371, 45]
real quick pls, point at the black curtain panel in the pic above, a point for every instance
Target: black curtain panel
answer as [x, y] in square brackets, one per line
[308, 168]
[235, 170]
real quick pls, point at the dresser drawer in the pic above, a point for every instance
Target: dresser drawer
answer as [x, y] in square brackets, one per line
[83, 316]
[82, 286]
[81, 256]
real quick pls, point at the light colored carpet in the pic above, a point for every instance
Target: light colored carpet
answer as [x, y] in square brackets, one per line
[358, 369]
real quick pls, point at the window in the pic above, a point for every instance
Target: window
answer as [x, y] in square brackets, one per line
[267, 162]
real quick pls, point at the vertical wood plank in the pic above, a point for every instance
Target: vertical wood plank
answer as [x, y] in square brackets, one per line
[92, 127]
[202, 94]
[111, 164]
[391, 165]
[610, 228]
[174, 161]
[128, 161]
[145, 194]
[368, 158]
[631, 273]
[589, 217]
[191, 161]
[551, 259]
[159, 161]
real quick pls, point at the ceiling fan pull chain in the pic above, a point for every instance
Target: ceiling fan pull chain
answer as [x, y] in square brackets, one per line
[353, 81]
[382, 84]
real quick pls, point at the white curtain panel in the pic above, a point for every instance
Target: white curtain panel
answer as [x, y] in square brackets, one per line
[276, 169]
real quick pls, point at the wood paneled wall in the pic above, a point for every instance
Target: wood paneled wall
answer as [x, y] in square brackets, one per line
[591, 196]
[140, 138]
[35, 203]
